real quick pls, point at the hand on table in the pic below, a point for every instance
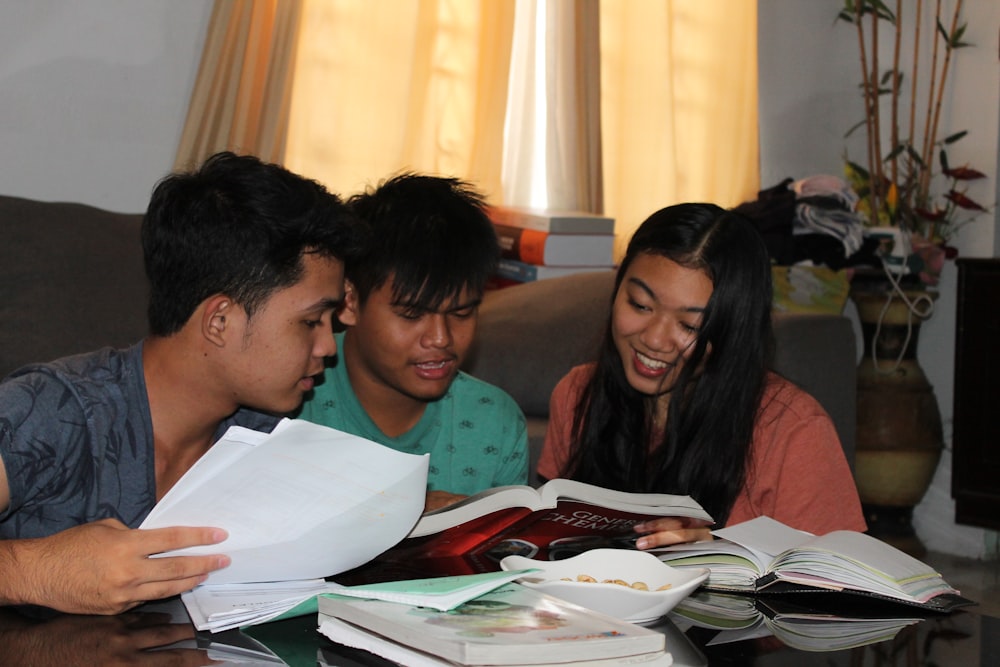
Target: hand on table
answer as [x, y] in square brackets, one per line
[437, 499]
[104, 567]
[671, 530]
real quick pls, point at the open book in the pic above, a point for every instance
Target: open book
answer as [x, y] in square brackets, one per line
[807, 627]
[558, 520]
[509, 625]
[766, 556]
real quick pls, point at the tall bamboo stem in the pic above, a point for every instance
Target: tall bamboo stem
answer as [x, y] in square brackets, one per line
[926, 182]
[876, 110]
[913, 169]
[894, 130]
[870, 135]
[925, 151]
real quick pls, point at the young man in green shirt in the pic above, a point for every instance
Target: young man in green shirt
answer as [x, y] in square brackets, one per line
[410, 312]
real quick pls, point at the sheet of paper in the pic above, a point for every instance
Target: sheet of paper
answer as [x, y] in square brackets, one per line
[441, 593]
[226, 606]
[307, 502]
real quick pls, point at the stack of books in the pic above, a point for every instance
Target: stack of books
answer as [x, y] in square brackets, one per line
[537, 244]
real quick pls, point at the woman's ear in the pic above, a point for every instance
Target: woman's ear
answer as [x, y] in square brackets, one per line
[348, 315]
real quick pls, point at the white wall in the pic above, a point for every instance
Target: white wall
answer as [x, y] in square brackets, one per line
[93, 96]
[809, 74]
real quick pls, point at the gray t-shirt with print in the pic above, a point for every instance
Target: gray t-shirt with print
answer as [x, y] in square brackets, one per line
[76, 441]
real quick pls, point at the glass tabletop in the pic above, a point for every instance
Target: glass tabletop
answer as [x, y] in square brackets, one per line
[159, 633]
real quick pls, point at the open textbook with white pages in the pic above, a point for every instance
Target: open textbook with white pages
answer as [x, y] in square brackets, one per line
[766, 556]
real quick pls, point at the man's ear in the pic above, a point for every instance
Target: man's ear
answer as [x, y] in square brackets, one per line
[213, 319]
[348, 315]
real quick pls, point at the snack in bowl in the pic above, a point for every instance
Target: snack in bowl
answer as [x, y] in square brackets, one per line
[631, 585]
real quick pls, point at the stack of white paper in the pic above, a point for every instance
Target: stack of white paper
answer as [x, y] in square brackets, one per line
[302, 502]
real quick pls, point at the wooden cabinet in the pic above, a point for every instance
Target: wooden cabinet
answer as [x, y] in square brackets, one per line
[975, 482]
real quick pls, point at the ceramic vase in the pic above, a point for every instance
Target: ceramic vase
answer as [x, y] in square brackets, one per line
[899, 434]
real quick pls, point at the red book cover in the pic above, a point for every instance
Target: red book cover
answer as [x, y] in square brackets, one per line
[565, 527]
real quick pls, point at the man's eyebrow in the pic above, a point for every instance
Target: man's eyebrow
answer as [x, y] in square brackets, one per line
[472, 303]
[325, 304]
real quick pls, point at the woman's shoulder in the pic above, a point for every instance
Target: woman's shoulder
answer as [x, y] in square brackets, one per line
[577, 377]
[782, 396]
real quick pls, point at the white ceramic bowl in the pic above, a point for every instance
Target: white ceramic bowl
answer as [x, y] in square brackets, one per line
[625, 602]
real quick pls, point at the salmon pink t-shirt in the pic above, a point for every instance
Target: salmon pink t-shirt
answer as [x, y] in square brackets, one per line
[797, 472]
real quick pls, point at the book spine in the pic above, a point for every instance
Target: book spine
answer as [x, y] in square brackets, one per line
[523, 245]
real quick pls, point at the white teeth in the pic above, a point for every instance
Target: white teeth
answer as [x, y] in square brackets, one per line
[650, 362]
[438, 364]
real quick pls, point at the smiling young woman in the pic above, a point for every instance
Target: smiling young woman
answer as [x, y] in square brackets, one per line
[681, 398]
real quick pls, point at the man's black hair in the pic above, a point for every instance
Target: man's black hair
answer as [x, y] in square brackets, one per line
[430, 235]
[236, 226]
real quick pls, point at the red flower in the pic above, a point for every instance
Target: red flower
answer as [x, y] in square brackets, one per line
[964, 173]
[962, 201]
[935, 216]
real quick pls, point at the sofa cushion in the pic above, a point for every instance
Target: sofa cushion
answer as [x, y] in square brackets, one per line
[71, 280]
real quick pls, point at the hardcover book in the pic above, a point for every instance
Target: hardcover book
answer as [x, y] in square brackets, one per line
[559, 519]
[546, 248]
[511, 625]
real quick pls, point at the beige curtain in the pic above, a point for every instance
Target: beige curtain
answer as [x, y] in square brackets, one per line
[241, 96]
[552, 156]
[423, 85]
[400, 84]
[678, 105]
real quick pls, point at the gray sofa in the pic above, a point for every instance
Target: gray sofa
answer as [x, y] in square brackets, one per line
[71, 280]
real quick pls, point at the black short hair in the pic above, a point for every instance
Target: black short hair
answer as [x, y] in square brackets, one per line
[236, 226]
[430, 235]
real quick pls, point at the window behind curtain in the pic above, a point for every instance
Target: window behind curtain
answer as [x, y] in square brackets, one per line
[426, 84]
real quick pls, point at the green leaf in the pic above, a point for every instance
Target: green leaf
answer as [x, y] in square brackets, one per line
[954, 137]
[858, 169]
[894, 152]
[943, 158]
[883, 11]
[915, 156]
[854, 127]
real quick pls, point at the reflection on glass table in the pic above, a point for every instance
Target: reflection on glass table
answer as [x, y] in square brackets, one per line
[698, 634]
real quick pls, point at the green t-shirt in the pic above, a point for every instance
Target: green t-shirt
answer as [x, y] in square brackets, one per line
[475, 434]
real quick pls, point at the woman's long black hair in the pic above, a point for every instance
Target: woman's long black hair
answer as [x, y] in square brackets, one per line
[704, 448]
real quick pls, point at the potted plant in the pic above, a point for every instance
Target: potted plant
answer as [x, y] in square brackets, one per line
[906, 181]
[915, 200]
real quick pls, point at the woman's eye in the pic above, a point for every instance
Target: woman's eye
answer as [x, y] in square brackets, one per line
[638, 306]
